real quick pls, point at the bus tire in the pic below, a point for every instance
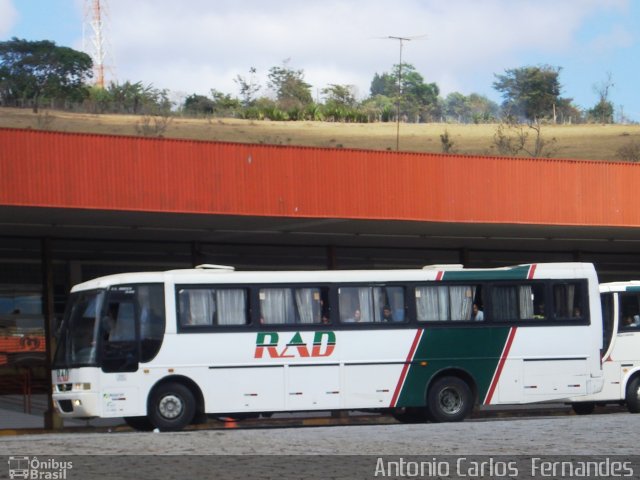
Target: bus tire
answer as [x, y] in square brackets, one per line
[633, 396]
[172, 407]
[583, 408]
[449, 400]
[142, 424]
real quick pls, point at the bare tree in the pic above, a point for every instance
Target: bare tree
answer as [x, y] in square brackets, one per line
[249, 87]
[604, 108]
[516, 139]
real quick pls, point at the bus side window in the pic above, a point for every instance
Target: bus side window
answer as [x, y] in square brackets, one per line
[209, 306]
[448, 302]
[629, 310]
[196, 306]
[432, 303]
[518, 302]
[567, 300]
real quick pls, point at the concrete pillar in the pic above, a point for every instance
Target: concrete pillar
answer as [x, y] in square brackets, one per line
[52, 420]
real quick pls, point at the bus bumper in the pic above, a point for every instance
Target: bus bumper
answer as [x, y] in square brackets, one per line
[77, 405]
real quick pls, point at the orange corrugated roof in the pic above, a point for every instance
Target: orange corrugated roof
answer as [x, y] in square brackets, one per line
[48, 169]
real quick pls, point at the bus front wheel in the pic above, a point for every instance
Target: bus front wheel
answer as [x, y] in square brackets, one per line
[172, 407]
[633, 396]
[449, 400]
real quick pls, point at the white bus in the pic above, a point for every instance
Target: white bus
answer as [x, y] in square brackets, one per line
[621, 354]
[167, 349]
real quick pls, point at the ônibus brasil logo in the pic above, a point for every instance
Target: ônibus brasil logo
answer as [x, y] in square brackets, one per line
[269, 345]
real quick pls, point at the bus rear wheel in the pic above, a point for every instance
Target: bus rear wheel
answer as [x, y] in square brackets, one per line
[172, 407]
[583, 408]
[633, 396]
[449, 400]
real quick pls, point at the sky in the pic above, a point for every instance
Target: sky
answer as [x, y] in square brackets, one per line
[194, 46]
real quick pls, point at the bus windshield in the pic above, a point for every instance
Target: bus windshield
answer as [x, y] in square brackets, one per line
[77, 340]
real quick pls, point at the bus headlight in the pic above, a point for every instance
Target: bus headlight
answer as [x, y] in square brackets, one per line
[82, 386]
[77, 403]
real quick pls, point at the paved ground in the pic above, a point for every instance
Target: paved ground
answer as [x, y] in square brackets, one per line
[611, 434]
[343, 452]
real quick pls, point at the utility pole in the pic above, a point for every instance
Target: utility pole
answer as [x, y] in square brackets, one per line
[401, 41]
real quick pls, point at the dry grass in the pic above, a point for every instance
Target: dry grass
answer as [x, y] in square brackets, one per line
[589, 142]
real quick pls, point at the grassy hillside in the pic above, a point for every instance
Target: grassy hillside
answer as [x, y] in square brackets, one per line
[589, 142]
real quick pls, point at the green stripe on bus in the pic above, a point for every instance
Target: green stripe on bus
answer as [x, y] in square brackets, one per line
[516, 273]
[632, 289]
[475, 351]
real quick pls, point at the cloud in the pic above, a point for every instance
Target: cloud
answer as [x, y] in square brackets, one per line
[8, 17]
[198, 45]
[617, 37]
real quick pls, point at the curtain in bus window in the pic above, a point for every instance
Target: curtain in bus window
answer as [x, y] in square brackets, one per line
[505, 303]
[432, 303]
[197, 307]
[563, 299]
[526, 302]
[379, 300]
[461, 298]
[366, 305]
[348, 303]
[276, 306]
[308, 304]
[231, 307]
[395, 300]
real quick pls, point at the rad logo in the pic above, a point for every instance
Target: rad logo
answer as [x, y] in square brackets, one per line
[32, 468]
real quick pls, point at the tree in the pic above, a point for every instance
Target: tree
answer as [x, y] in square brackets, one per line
[456, 107]
[224, 104]
[199, 105]
[137, 98]
[385, 84]
[568, 112]
[248, 87]
[340, 102]
[378, 108]
[603, 110]
[343, 95]
[513, 139]
[292, 92]
[482, 109]
[41, 69]
[417, 100]
[531, 92]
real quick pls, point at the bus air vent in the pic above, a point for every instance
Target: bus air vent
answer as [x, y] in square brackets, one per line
[209, 266]
[444, 266]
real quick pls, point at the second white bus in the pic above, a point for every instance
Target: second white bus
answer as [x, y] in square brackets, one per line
[621, 354]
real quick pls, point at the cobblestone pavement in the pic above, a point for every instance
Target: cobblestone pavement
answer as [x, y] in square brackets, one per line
[572, 435]
[344, 452]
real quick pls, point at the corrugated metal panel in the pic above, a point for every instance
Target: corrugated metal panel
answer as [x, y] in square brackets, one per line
[128, 173]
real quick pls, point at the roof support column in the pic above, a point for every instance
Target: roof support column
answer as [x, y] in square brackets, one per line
[332, 261]
[52, 420]
[196, 254]
[463, 255]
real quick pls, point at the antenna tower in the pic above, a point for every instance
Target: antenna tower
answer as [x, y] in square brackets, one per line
[95, 15]
[401, 40]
